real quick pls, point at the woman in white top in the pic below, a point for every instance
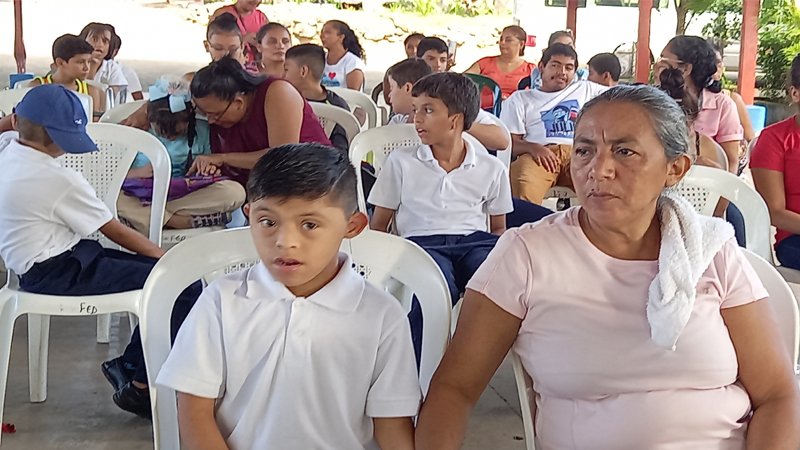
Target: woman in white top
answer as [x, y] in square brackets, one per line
[344, 65]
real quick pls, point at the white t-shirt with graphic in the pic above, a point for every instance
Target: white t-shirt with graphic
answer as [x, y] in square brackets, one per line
[548, 117]
[336, 75]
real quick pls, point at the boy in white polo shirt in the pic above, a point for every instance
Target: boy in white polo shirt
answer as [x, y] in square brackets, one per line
[299, 351]
[445, 195]
[48, 211]
[542, 122]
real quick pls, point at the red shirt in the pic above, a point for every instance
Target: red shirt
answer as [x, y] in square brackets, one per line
[778, 148]
[508, 81]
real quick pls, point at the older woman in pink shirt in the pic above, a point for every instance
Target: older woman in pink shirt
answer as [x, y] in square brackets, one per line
[572, 294]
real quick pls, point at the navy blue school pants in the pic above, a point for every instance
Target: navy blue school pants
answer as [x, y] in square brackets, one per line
[458, 256]
[788, 252]
[90, 269]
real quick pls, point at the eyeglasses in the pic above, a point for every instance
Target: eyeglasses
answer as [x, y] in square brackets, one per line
[216, 116]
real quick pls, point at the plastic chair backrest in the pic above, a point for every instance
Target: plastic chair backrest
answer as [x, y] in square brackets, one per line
[704, 186]
[722, 156]
[106, 169]
[503, 154]
[121, 112]
[749, 152]
[485, 82]
[355, 98]
[329, 116]
[380, 257]
[380, 141]
[783, 303]
[527, 401]
[10, 97]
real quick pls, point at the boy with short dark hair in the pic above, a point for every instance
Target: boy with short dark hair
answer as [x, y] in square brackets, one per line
[71, 56]
[434, 51]
[304, 67]
[43, 228]
[441, 192]
[298, 351]
[604, 68]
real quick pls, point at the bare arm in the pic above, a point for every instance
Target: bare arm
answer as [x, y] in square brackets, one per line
[98, 101]
[497, 224]
[767, 374]
[744, 116]
[474, 68]
[484, 334]
[769, 183]
[732, 150]
[197, 424]
[130, 239]
[5, 123]
[491, 136]
[138, 95]
[381, 219]
[355, 79]
[394, 433]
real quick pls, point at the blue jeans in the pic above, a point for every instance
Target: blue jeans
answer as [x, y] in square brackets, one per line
[788, 252]
[525, 212]
[90, 269]
[458, 257]
[735, 218]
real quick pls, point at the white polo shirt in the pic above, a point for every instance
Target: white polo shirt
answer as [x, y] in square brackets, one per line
[430, 201]
[292, 372]
[548, 117]
[45, 209]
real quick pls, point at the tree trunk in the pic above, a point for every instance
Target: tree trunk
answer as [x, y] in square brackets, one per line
[681, 11]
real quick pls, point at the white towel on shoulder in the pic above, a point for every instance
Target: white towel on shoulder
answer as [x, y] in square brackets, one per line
[689, 243]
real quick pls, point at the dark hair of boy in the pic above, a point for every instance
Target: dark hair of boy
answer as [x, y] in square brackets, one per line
[606, 63]
[413, 36]
[68, 46]
[33, 132]
[225, 23]
[308, 171]
[95, 28]
[309, 55]
[267, 28]
[558, 49]
[409, 71]
[225, 78]
[458, 93]
[431, 43]
[159, 113]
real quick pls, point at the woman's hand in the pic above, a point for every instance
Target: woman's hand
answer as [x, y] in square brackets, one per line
[250, 38]
[207, 165]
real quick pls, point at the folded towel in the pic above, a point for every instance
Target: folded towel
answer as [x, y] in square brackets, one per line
[689, 243]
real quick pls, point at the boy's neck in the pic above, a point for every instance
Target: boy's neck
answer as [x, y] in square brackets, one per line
[53, 153]
[320, 281]
[312, 90]
[450, 154]
[70, 83]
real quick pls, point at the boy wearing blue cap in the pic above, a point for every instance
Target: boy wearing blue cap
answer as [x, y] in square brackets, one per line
[44, 225]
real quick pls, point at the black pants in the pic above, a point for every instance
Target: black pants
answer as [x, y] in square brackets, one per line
[90, 269]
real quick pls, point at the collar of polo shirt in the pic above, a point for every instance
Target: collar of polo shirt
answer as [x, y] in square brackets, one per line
[342, 294]
[425, 153]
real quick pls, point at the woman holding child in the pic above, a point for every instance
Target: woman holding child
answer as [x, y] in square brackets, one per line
[651, 349]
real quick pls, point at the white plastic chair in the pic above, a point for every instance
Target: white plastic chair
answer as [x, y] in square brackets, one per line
[105, 171]
[111, 99]
[503, 154]
[704, 186]
[722, 156]
[121, 112]
[360, 99]
[10, 97]
[781, 299]
[382, 259]
[329, 116]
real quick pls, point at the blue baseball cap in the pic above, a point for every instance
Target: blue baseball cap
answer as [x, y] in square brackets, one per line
[61, 113]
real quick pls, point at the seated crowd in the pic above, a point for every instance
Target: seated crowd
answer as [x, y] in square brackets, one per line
[630, 342]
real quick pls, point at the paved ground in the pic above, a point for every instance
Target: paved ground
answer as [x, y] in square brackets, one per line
[79, 413]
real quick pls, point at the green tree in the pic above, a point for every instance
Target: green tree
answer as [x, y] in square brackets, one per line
[726, 26]
[779, 43]
[687, 10]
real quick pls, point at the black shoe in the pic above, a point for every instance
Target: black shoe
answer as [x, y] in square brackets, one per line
[134, 400]
[116, 373]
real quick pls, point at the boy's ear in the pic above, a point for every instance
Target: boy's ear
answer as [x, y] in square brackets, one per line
[304, 70]
[60, 62]
[408, 87]
[205, 44]
[456, 120]
[14, 122]
[246, 209]
[358, 221]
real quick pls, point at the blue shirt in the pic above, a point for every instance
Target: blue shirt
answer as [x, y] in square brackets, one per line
[179, 149]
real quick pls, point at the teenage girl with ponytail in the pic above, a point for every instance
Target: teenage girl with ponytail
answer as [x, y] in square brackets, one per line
[248, 115]
[718, 117]
[344, 63]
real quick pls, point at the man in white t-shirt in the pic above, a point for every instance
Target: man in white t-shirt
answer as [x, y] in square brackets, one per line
[299, 351]
[542, 122]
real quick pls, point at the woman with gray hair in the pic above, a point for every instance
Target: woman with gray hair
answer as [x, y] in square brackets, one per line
[640, 322]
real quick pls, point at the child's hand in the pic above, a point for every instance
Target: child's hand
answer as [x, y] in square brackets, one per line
[207, 165]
